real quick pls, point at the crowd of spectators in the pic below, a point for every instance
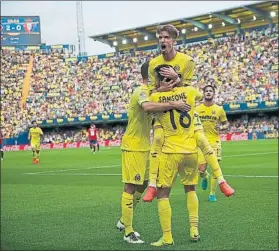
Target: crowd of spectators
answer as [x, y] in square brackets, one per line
[244, 124]
[244, 68]
[81, 135]
[13, 70]
[257, 124]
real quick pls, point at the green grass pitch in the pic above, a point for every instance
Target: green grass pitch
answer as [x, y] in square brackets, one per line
[71, 201]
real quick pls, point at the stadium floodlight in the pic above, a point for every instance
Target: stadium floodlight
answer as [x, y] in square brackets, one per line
[115, 43]
[223, 24]
[254, 18]
[210, 26]
[273, 14]
[135, 39]
[238, 20]
[124, 41]
[196, 29]
[183, 31]
[145, 38]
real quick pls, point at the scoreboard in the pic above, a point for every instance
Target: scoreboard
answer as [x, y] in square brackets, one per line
[20, 30]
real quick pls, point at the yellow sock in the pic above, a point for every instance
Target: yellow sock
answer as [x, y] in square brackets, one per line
[153, 172]
[193, 208]
[136, 198]
[127, 212]
[164, 210]
[211, 159]
[213, 185]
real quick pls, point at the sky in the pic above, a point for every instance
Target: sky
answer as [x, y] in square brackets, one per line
[58, 18]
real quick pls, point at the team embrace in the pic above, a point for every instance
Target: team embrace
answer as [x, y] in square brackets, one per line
[186, 139]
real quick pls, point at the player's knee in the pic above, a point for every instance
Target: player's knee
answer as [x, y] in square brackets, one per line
[202, 167]
[189, 188]
[163, 193]
[142, 187]
[129, 188]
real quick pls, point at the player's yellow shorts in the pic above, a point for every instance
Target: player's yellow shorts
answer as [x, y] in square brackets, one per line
[173, 163]
[216, 146]
[135, 167]
[36, 146]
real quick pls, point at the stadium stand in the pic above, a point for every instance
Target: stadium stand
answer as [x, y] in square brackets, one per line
[243, 67]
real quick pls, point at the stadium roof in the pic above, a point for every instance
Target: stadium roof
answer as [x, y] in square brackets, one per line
[253, 15]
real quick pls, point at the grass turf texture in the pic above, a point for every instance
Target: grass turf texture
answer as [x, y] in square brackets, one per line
[72, 202]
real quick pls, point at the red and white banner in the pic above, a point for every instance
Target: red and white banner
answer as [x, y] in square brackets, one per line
[61, 145]
[234, 136]
[224, 137]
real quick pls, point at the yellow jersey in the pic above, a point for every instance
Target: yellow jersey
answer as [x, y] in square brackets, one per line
[211, 116]
[178, 126]
[137, 134]
[35, 134]
[197, 122]
[183, 64]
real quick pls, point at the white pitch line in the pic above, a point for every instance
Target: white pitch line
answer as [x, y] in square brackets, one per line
[109, 166]
[251, 176]
[74, 169]
[119, 174]
[248, 154]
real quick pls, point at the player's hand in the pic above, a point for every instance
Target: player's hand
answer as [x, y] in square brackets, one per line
[166, 86]
[169, 72]
[220, 128]
[181, 105]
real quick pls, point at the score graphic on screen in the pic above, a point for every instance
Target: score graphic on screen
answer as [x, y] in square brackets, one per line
[20, 30]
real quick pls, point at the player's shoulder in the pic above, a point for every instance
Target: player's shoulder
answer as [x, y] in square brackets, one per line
[140, 92]
[200, 106]
[184, 56]
[154, 61]
[219, 107]
[191, 89]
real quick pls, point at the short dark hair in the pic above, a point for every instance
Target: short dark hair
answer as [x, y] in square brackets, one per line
[211, 86]
[33, 121]
[157, 71]
[173, 32]
[144, 70]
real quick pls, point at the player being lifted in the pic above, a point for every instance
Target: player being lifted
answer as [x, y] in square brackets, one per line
[93, 141]
[211, 116]
[34, 137]
[135, 148]
[182, 67]
[182, 71]
[179, 155]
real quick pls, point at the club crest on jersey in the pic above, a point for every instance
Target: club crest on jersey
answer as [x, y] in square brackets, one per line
[213, 112]
[137, 177]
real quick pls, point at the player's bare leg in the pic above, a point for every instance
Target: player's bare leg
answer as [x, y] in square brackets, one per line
[164, 210]
[98, 147]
